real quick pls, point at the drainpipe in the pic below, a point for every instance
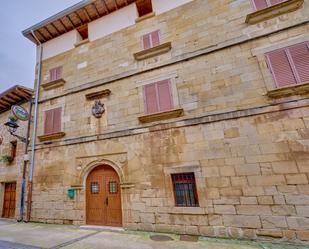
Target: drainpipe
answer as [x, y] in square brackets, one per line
[22, 195]
[32, 161]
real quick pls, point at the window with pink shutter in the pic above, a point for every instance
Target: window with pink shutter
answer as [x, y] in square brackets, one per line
[262, 4]
[52, 121]
[290, 65]
[151, 40]
[55, 73]
[158, 97]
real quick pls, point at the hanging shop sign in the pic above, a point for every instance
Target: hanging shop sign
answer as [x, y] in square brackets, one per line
[20, 113]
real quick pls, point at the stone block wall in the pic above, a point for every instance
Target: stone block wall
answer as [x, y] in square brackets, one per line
[249, 153]
[11, 172]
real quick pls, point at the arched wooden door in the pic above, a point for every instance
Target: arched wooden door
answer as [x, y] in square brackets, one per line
[103, 197]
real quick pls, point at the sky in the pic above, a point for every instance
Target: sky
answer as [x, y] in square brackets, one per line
[17, 54]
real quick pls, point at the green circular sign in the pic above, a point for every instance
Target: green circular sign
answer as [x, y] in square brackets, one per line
[20, 113]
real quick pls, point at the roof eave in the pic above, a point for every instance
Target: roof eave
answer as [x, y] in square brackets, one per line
[27, 32]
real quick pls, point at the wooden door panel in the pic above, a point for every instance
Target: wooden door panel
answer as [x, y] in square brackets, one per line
[9, 201]
[114, 217]
[102, 207]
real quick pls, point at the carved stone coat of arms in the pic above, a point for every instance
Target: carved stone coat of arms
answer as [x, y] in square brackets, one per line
[98, 109]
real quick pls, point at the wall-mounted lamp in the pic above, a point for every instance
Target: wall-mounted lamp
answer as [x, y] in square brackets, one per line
[12, 127]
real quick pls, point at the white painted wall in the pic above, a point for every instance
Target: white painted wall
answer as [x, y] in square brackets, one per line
[161, 6]
[60, 44]
[113, 22]
[105, 25]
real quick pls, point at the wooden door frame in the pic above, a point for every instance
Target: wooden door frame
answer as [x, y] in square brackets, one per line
[90, 169]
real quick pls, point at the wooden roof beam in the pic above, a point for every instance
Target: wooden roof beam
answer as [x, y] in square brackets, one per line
[42, 36]
[96, 10]
[14, 96]
[48, 32]
[79, 18]
[116, 5]
[4, 102]
[105, 6]
[57, 30]
[70, 21]
[23, 94]
[87, 14]
[64, 27]
[9, 100]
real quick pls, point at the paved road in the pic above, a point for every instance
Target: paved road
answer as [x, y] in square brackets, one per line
[33, 236]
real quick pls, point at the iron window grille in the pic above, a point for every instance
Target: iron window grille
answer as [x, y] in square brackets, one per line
[95, 188]
[112, 186]
[185, 190]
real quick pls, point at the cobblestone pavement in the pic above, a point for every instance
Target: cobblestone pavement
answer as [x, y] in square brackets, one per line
[33, 235]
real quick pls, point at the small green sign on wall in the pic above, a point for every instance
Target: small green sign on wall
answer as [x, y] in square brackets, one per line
[71, 193]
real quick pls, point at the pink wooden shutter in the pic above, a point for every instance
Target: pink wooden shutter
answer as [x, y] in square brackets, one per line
[155, 38]
[300, 59]
[165, 96]
[48, 122]
[273, 2]
[52, 74]
[280, 68]
[55, 73]
[150, 97]
[58, 73]
[260, 4]
[57, 120]
[146, 41]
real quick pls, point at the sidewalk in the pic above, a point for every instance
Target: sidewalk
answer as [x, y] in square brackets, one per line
[34, 235]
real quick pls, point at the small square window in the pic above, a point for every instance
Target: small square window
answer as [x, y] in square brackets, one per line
[95, 188]
[112, 186]
[55, 73]
[151, 40]
[185, 190]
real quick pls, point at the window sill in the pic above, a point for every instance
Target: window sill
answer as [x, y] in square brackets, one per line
[53, 84]
[142, 18]
[53, 136]
[288, 91]
[97, 95]
[187, 210]
[273, 11]
[161, 116]
[151, 52]
[82, 42]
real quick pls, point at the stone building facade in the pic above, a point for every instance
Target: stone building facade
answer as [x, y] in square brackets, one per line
[12, 151]
[204, 138]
